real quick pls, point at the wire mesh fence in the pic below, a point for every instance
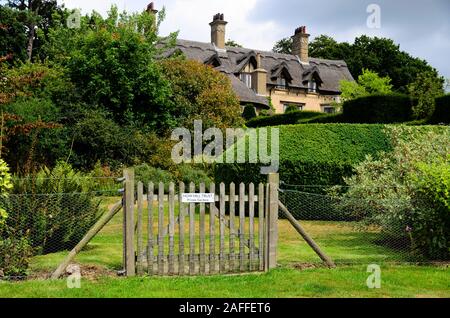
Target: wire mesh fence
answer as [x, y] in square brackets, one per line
[42, 224]
[349, 233]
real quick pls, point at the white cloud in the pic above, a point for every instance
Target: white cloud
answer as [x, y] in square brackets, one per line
[192, 18]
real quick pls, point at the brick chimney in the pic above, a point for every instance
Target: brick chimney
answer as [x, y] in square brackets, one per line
[300, 44]
[259, 80]
[151, 8]
[218, 31]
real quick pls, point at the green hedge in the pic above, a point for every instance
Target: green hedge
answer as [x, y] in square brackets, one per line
[290, 118]
[442, 112]
[381, 109]
[314, 154]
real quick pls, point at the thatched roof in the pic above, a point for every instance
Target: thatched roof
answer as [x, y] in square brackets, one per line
[232, 60]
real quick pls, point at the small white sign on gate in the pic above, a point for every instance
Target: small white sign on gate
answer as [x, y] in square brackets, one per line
[197, 198]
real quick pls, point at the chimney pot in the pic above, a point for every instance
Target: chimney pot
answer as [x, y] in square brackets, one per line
[300, 44]
[151, 8]
[218, 30]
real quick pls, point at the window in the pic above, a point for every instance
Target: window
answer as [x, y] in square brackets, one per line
[286, 105]
[312, 86]
[281, 82]
[328, 109]
[247, 79]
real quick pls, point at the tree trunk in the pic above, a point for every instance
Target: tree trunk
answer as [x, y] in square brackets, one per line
[31, 35]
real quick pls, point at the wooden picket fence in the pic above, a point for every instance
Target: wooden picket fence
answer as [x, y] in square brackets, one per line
[165, 236]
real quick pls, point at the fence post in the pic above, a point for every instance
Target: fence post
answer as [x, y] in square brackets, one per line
[128, 222]
[272, 220]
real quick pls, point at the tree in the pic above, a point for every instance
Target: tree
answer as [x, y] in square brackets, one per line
[112, 63]
[13, 36]
[425, 89]
[201, 92]
[232, 43]
[39, 17]
[380, 55]
[368, 83]
[283, 46]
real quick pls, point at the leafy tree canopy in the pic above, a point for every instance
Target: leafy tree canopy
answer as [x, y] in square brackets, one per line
[232, 43]
[111, 61]
[425, 89]
[368, 83]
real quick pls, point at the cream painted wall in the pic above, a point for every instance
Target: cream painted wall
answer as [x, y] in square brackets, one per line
[313, 102]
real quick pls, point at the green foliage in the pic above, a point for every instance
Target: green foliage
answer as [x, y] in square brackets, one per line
[97, 137]
[327, 119]
[232, 43]
[146, 174]
[14, 256]
[5, 187]
[13, 37]
[249, 112]
[393, 108]
[406, 191]
[291, 118]
[314, 154]
[111, 62]
[54, 209]
[201, 92]
[283, 46]
[368, 83]
[39, 16]
[442, 110]
[189, 173]
[425, 89]
[291, 108]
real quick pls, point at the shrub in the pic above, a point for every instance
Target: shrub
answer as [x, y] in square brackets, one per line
[5, 187]
[314, 154]
[381, 109]
[146, 174]
[249, 112]
[54, 209]
[442, 112]
[98, 138]
[291, 109]
[188, 174]
[327, 119]
[283, 119]
[14, 255]
[405, 192]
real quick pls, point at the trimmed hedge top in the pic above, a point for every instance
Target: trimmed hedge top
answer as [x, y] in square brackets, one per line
[380, 109]
[442, 112]
[290, 118]
[332, 143]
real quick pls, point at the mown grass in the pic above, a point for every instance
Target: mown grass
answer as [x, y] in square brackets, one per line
[341, 241]
[397, 281]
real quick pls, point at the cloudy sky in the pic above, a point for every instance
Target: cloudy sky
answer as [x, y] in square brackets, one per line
[421, 27]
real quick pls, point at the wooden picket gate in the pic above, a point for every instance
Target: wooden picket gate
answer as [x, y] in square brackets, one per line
[165, 236]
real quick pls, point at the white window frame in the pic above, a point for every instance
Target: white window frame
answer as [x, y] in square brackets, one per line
[312, 86]
[246, 78]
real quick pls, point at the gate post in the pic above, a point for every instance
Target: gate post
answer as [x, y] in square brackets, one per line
[272, 221]
[128, 224]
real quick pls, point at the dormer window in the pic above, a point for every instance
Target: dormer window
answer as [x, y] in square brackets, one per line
[246, 74]
[247, 79]
[312, 86]
[281, 82]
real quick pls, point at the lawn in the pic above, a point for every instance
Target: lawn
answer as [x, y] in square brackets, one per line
[299, 274]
